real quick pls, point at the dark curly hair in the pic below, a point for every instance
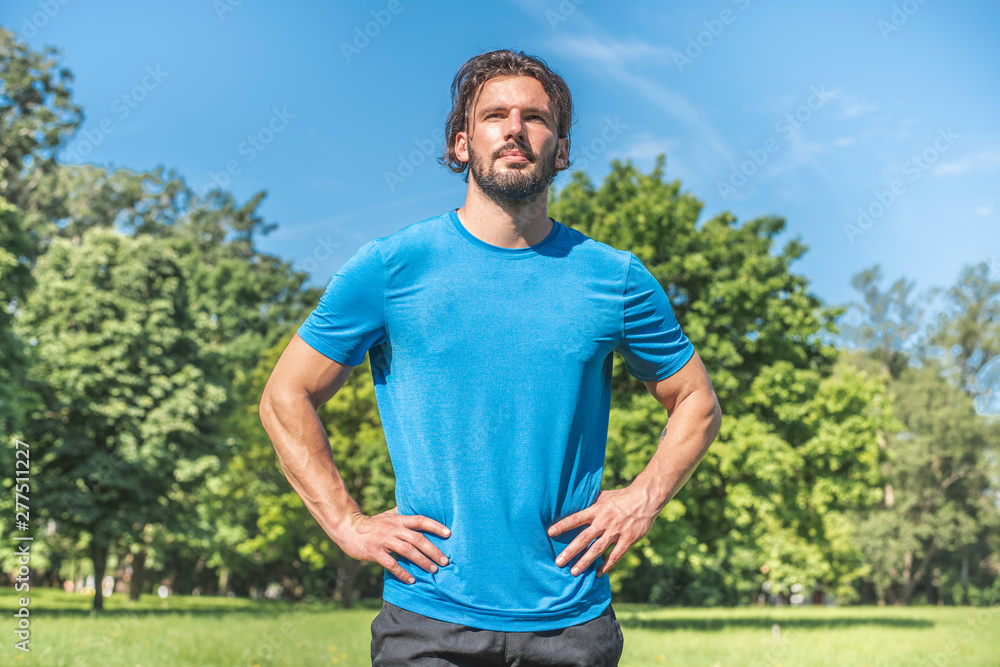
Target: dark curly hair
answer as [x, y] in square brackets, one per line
[476, 71]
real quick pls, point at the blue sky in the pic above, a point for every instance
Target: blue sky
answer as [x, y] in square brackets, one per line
[842, 104]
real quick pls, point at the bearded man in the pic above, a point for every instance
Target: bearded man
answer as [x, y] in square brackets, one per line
[491, 330]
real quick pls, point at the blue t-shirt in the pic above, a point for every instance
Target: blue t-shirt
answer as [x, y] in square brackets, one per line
[492, 371]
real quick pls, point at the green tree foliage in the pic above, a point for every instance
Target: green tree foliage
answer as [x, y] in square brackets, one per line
[797, 446]
[36, 117]
[15, 282]
[939, 511]
[275, 530]
[943, 508]
[968, 329]
[129, 422]
[888, 325]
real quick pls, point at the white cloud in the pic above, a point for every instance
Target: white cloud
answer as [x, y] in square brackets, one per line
[851, 107]
[842, 142]
[611, 58]
[611, 52]
[982, 161]
[647, 148]
[850, 110]
[983, 210]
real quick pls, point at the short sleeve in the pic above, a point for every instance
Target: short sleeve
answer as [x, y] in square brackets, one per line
[652, 343]
[350, 317]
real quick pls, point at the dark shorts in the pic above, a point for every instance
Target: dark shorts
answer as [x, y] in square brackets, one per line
[401, 637]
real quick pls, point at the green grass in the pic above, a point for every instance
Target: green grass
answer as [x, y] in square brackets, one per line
[220, 631]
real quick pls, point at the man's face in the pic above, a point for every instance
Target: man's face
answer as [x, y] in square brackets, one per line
[512, 146]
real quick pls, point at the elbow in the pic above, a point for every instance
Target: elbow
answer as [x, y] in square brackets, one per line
[282, 400]
[265, 409]
[716, 417]
[270, 399]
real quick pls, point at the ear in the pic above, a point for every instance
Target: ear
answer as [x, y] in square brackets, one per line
[562, 153]
[462, 146]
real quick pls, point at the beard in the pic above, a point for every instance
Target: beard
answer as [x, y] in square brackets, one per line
[515, 182]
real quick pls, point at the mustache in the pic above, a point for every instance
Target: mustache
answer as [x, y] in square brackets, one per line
[524, 150]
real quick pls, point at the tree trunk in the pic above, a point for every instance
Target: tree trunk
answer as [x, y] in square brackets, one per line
[965, 580]
[911, 579]
[138, 570]
[99, 554]
[347, 577]
[223, 581]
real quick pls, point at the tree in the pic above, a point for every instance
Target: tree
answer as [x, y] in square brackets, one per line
[15, 282]
[275, 521]
[36, 117]
[939, 508]
[890, 321]
[128, 422]
[968, 329]
[796, 447]
[944, 507]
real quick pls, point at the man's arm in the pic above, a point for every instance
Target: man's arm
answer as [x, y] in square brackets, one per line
[302, 380]
[623, 516]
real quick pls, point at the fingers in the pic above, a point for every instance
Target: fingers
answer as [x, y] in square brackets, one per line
[406, 542]
[389, 563]
[417, 522]
[407, 547]
[595, 550]
[426, 547]
[570, 522]
[574, 547]
[616, 555]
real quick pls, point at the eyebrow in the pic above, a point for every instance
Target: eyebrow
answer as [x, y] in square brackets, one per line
[500, 107]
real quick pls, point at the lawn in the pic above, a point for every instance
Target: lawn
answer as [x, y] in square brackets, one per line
[230, 631]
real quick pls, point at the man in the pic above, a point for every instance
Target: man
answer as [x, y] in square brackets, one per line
[490, 330]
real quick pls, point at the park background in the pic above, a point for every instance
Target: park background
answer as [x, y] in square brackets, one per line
[814, 186]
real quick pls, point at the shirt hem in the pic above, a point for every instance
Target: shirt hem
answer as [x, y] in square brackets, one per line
[449, 612]
[669, 370]
[316, 342]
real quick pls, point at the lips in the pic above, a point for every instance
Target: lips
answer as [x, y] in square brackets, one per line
[513, 156]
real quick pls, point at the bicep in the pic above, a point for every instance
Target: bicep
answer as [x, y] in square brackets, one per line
[303, 370]
[692, 377]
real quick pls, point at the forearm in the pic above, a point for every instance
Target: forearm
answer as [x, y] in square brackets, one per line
[692, 427]
[303, 450]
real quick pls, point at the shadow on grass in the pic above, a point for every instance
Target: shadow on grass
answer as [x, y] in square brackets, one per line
[206, 611]
[765, 623]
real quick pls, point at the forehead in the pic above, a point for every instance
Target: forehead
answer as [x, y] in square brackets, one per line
[511, 91]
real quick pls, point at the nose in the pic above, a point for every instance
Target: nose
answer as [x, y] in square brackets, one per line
[514, 129]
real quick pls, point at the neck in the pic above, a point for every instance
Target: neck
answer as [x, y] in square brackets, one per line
[507, 224]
